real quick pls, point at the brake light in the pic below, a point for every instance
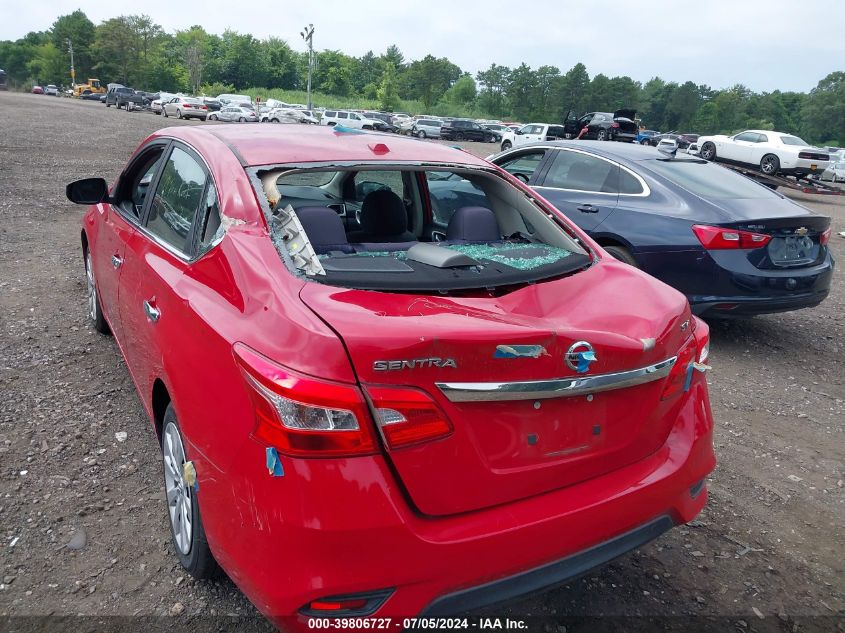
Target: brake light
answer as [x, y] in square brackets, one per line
[303, 416]
[677, 379]
[188, 105]
[720, 238]
[824, 238]
[407, 416]
[692, 355]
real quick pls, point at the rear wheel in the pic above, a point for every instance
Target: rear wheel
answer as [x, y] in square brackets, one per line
[708, 151]
[622, 254]
[182, 508]
[459, 137]
[601, 135]
[242, 120]
[95, 311]
[421, 134]
[770, 164]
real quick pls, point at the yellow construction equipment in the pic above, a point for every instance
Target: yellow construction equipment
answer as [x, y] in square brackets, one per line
[93, 85]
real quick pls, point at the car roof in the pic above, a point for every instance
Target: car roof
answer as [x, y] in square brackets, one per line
[267, 145]
[624, 151]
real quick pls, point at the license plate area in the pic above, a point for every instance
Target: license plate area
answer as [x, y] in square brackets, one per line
[793, 250]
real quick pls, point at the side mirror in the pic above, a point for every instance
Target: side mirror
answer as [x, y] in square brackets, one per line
[88, 191]
[519, 132]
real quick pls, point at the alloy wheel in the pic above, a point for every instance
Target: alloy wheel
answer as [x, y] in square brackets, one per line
[92, 287]
[180, 503]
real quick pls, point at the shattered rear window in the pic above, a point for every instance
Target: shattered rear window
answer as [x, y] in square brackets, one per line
[375, 227]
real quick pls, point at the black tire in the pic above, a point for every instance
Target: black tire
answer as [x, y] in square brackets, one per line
[164, 112]
[421, 134]
[108, 105]
[770, 164]
[601, 135]
[459, 136]
[198, 561]
[506, 145]
[178, 114]
[708, 151]
[622, 254]
[242, 120]
[95, 308]
[644, 142]
[212, 117]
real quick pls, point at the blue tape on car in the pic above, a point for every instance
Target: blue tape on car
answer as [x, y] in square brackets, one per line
[693, 366]
[342, 129]
[688, 381]
[274, 464]
[584, 360]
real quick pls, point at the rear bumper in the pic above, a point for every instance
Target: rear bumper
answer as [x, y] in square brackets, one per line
[550, 575]
[725, 283]
[620, 135]
[344, 526]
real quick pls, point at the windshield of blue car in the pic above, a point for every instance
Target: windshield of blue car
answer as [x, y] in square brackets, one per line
[708, 180]
[793, 140]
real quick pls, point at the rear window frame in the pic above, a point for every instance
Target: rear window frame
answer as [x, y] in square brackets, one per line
[254, 173]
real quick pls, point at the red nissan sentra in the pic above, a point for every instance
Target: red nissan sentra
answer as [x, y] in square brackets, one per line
[372, 405]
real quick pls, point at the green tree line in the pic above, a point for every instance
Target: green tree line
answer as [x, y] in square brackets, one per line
[134, 50]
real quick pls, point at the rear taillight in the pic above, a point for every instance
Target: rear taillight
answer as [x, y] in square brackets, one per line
[303, 416]
[720, 238]
[692, 356]
[824, 238]
[407, 416]
[188, 105]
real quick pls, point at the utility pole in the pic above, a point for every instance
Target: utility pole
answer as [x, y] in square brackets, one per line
[308, 35]
[72, 69]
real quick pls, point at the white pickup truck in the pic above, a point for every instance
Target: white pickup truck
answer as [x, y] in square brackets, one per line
[531, 133]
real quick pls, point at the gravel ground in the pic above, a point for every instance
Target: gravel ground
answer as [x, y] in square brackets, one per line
[769, 544]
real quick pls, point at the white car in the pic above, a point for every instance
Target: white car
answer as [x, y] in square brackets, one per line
[185, 108]
[277, 115]
[773, 152]
[349, 119]
[531, 133]
[51, 90]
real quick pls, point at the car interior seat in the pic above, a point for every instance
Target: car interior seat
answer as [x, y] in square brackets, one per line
[383, 219]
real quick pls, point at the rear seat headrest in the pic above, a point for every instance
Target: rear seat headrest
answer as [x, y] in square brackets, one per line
[473, 224]
[324, 229]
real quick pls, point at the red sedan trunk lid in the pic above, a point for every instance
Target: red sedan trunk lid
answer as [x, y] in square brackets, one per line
[506, 450]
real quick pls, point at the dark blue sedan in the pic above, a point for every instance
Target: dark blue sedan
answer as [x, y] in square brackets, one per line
[734, 247]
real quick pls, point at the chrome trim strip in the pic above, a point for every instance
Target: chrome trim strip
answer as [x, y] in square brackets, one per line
[555, 388]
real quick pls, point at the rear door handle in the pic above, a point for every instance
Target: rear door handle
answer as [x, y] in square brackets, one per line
[588, 208]
[116, 261]
[153, 313]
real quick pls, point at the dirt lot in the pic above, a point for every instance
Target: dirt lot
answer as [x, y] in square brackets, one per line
[769, 544]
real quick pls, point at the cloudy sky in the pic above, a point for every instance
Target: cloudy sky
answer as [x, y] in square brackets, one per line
[776, 44]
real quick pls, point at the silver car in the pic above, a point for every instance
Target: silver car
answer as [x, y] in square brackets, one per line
[185, 108]
[234, 113]
[835, 172]
[426, 128]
